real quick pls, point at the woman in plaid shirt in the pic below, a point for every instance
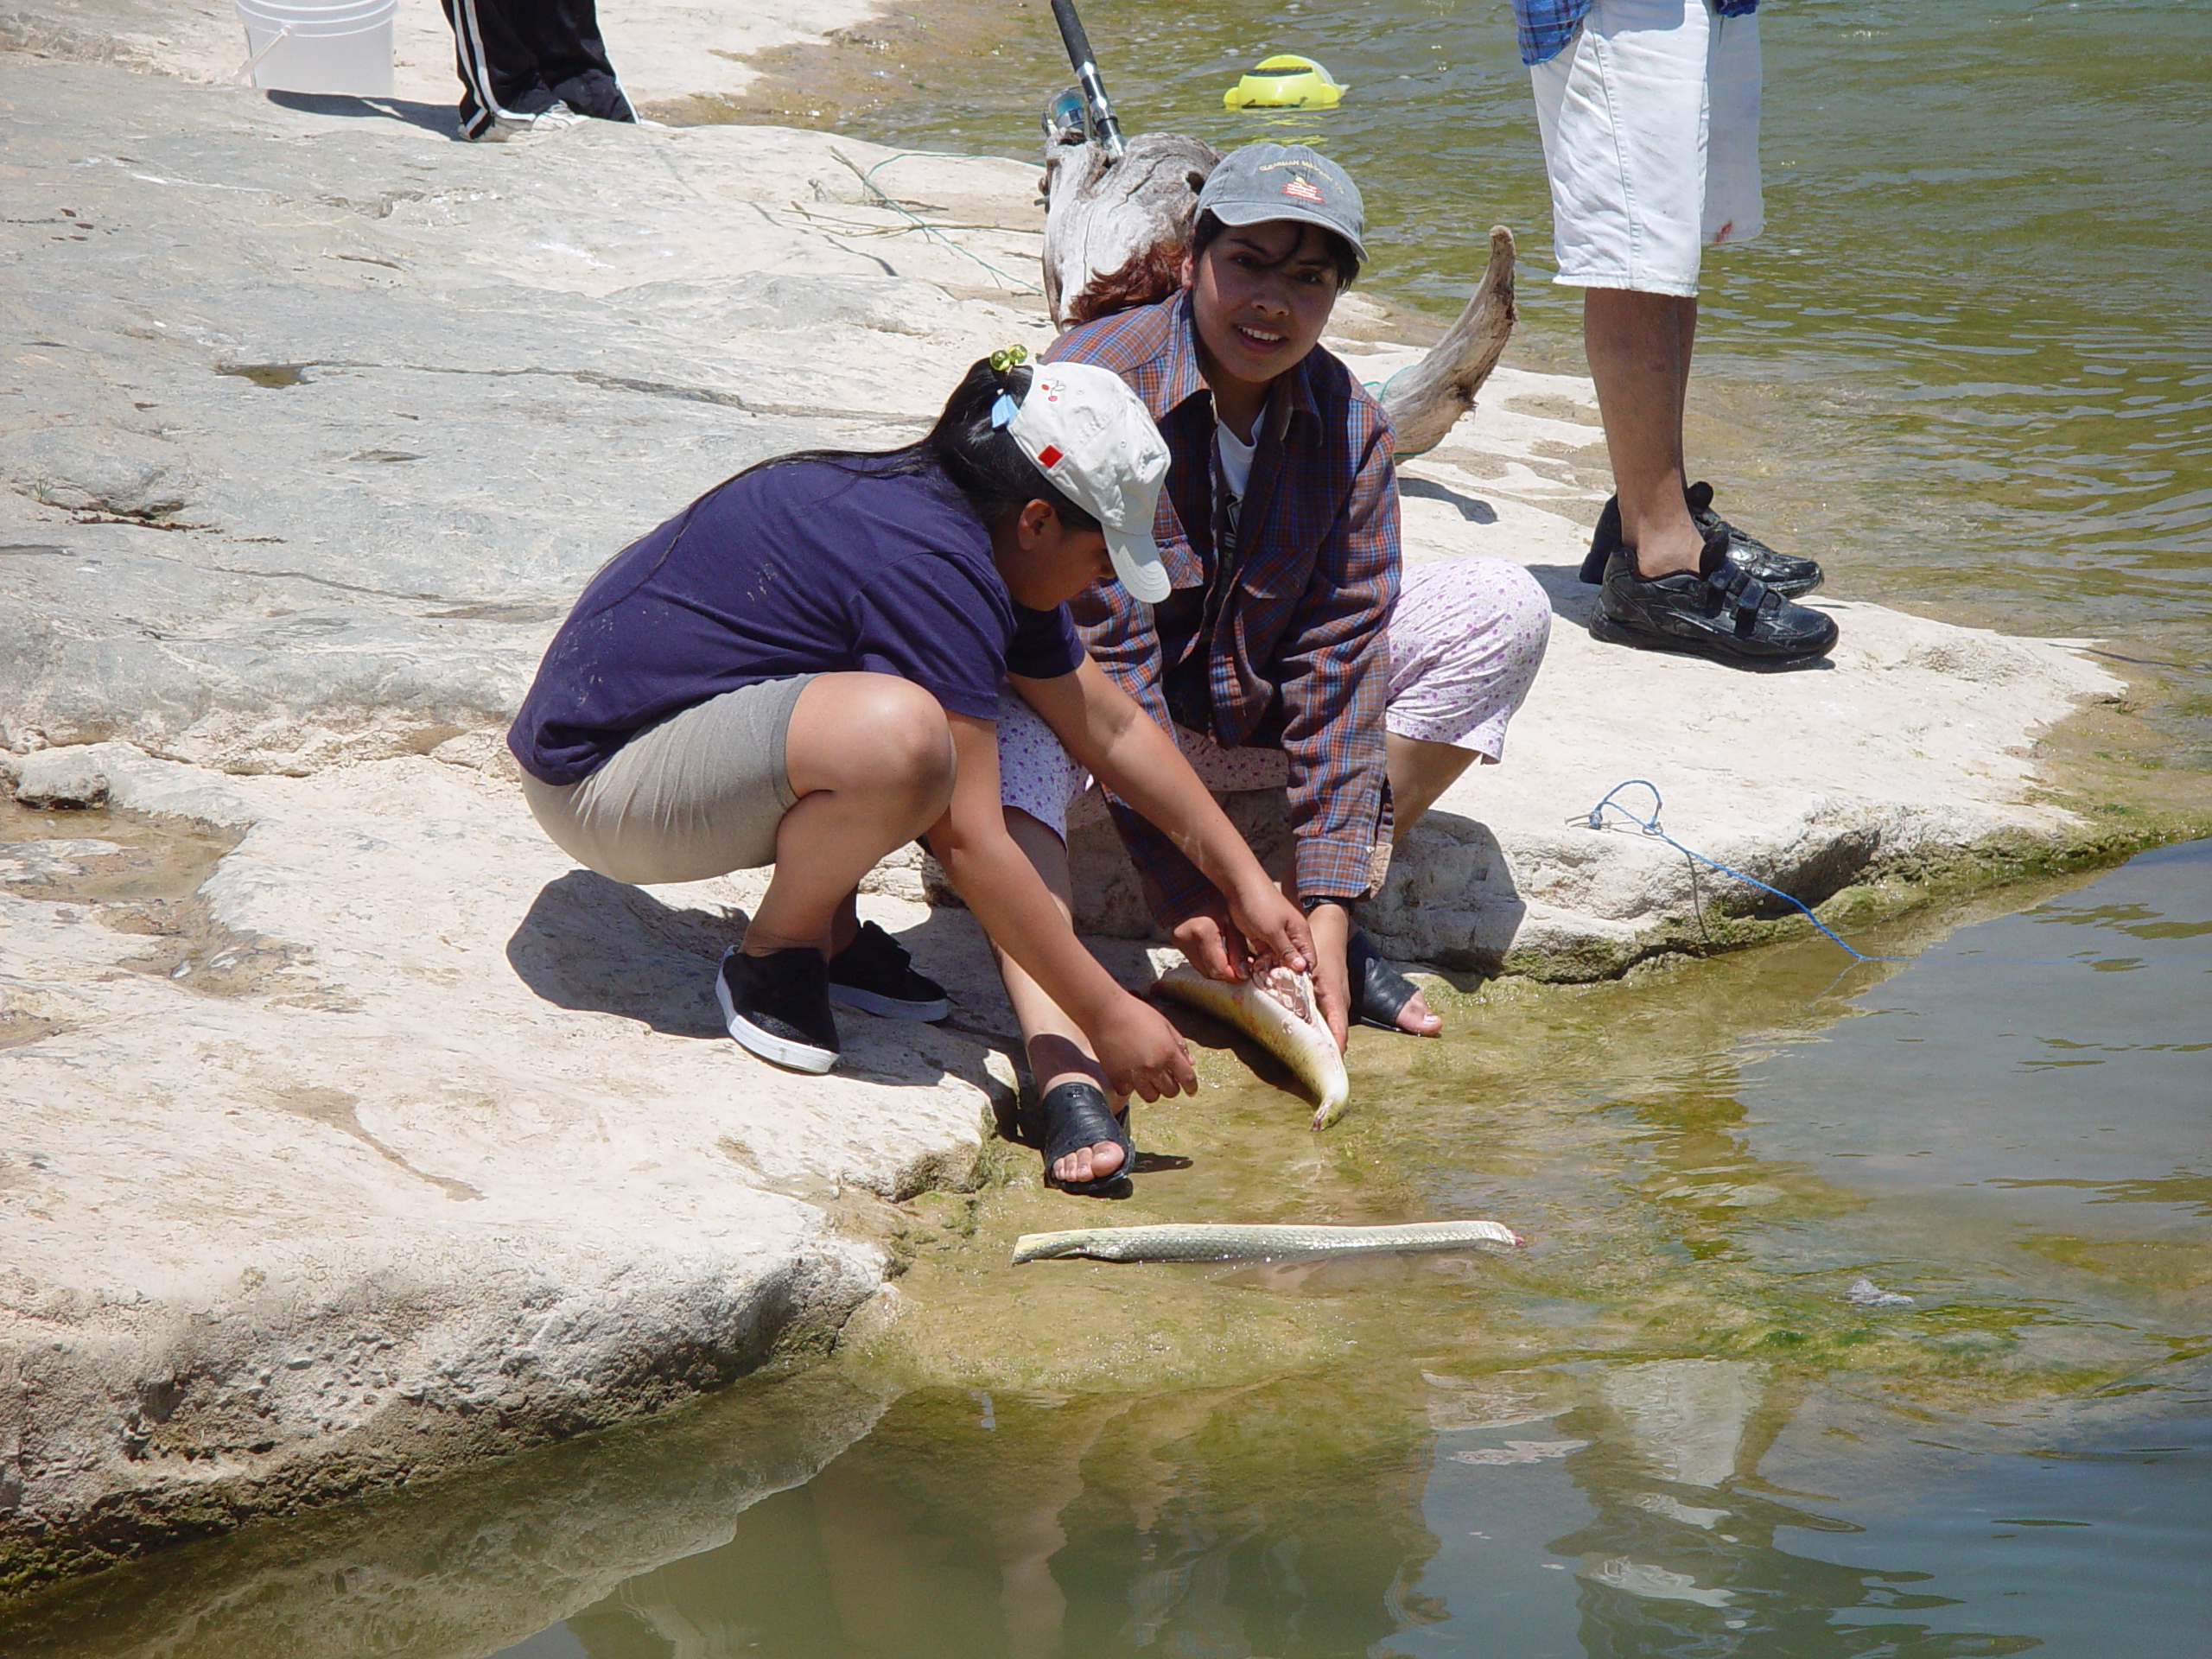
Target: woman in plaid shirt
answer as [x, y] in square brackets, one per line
[1286, 654]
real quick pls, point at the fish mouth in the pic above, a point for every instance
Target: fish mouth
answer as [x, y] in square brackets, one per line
[1293, 990]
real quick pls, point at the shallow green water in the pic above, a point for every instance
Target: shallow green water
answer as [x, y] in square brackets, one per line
[2016, 1130]
[1663, 1429]
[1969, 365]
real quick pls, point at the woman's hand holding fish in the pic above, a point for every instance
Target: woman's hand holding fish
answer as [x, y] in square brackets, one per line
[1332, 925]
[1223, 940]
[1210, 942]
[1273, 926]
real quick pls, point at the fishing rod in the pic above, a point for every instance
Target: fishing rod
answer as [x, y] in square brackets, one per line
[1104, 129]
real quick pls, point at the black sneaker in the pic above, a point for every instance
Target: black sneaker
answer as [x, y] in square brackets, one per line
[875, 974]
[778, 1006]
[1780, 573]
[1721, 611]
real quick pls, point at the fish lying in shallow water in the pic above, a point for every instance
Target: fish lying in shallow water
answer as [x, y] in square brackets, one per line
[1216, 1242]
[1276, 1009]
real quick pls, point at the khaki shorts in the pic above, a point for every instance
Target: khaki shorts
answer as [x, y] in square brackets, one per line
[699, 795]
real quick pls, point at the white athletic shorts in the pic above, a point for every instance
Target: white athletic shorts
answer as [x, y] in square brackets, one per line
[1466, 640]
[1650, 121]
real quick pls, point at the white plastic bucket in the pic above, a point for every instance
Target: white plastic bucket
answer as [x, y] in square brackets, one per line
[299, 46]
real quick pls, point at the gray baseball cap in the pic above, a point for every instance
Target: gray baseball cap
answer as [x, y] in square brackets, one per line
[1263, 182]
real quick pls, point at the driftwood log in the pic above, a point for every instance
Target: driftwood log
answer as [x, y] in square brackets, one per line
[1423, 401]
[1115, 234]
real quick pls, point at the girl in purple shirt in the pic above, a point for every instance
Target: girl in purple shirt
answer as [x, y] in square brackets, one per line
[803, 669]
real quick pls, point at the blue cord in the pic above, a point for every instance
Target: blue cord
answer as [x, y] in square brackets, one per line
[1375, 389]
[1649, 826]
[1595, 820]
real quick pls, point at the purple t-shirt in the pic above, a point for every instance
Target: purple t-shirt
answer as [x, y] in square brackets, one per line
[799, 568]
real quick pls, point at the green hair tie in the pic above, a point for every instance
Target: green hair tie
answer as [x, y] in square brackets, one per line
[1008, 357]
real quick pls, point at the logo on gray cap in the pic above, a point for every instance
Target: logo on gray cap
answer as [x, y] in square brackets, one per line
[1263, 182]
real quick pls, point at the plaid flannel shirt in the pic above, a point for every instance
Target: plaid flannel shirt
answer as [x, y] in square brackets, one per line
[1547, 26]
[1296, 656]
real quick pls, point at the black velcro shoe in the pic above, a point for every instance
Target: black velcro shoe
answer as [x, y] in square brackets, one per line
[1781, 573]
[1722, 612]
[777, 1005]
[875, 974]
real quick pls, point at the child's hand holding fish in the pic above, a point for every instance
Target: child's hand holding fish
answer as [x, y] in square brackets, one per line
[1216, 944]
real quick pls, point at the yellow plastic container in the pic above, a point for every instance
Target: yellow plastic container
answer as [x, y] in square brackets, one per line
[1284, 82]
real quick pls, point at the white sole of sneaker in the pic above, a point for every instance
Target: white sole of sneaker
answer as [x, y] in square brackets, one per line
[889, 1006]
[777, 1051]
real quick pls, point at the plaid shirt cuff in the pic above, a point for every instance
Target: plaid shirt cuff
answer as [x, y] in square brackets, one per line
[1343, 870]
[1175, 890]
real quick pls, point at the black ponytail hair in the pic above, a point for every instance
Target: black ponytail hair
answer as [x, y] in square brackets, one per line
[982, 461]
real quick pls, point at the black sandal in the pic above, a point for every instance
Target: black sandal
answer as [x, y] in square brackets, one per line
[1379, 992]
[1074, 1115]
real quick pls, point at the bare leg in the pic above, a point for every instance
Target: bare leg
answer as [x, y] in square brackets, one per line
[870, 758]
[1639, 347]
[1420, 770]
[845, 925]
[1057, 1050]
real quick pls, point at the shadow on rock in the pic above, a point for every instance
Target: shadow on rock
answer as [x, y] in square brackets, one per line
[1451, 899]
[1573, 599]
[1472, 508]
[599, 945]
[441, 118]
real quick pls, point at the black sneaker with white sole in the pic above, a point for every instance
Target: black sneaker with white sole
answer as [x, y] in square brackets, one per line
[1719, 610]
[875, 974]
[778, 1006]
[1780, 573]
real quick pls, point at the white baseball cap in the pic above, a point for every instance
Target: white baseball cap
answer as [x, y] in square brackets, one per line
[1093, 438]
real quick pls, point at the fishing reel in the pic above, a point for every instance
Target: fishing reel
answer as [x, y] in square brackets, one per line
[1066, 122]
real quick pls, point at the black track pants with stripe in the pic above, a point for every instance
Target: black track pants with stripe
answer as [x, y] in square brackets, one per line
[519, 57]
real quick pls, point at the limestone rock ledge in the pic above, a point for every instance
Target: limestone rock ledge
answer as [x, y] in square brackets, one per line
[409, 1146]
[319, 423]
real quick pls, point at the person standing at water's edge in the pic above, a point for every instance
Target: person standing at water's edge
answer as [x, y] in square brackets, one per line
[1281, 649]
[531, 64]
[1649, 111]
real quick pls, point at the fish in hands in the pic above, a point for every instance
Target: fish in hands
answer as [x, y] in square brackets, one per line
[1276, 1006]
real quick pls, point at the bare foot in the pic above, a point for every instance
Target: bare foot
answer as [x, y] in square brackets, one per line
[1415, 1017]
[1095, 1163]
